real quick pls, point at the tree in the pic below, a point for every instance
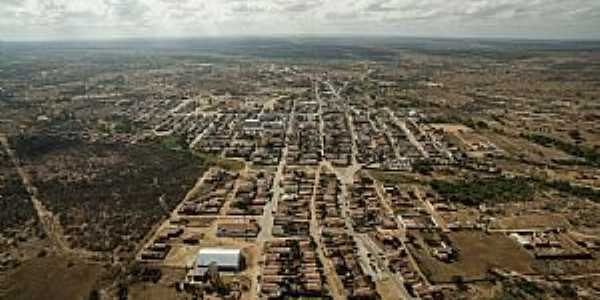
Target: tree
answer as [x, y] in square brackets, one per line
[94, 295]
[460, 282]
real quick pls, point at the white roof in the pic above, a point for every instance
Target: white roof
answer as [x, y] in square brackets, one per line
[220, 256]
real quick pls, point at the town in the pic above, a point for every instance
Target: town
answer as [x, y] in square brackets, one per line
[393, 174]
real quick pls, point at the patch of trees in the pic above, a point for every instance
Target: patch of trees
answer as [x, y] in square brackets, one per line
[522, 289]
[16, 209]
[591, 156]
[116, 205]
[485, 190]
[33, 146]
[574, 190]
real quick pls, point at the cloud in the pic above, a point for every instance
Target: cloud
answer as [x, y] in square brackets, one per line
[10, 2]
[301, 6]
[49, 19]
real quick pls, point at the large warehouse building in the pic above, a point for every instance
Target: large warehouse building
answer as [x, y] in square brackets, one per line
[225, 259]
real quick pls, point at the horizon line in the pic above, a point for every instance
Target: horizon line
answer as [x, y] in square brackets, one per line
[300, 35]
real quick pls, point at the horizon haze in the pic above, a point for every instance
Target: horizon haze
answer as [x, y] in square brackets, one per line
[116, 19]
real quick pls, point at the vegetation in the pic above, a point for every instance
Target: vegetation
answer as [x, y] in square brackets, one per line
[574, 190]
[484, 190]
[109, 195]
[173, 142]
[456, 119]
[591, 156]
[16, 209]
[125, 126]
[231, 165]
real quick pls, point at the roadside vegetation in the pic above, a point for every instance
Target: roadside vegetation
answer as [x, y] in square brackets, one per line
[573, 190]
[485, 190]
[591, 156]
[473, 192]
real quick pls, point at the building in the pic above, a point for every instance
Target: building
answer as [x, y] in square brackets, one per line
[229, 260]
[226, 260]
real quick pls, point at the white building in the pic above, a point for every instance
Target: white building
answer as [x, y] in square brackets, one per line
[226, 260]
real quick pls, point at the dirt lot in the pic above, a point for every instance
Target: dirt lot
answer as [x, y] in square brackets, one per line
[51, 278]
[478, 252]
[533, 221]
[148, 291]
[163, 290]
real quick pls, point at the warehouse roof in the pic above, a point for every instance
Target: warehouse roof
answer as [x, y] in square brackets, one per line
[223, 258]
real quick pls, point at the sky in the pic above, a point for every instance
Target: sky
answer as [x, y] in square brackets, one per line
[107, 19]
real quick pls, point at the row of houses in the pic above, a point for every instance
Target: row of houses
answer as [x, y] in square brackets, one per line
[304, 140]
[366, 210]
[399, 262]
[293, 212]
[215, 189]
[292, 269]
[218, 135]
[337, 137]
[260, 138]
[341, 248]
[374, 149]
[253, 192]
[244, 228]
[408, 210]
[159, 248]
[338, 245]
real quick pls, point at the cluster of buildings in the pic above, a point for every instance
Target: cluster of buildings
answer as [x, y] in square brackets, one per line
[266, 134]
[410, 212]
[304, 138]
[338, 245]
[251, 195]
[242, 228]
[216, 187]
[342, 250]
[159, 248]
[551, 244]
[365, 207]
[337, 137]
[292, 270]
[293, 214]
[328, 203]
[398, 262]
[218, 135]
[151, 112]
[374, 149]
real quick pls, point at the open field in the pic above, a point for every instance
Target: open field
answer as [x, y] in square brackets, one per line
[477, 254]
[53, 278]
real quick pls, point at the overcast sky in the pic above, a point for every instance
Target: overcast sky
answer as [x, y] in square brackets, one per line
[100, 19]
